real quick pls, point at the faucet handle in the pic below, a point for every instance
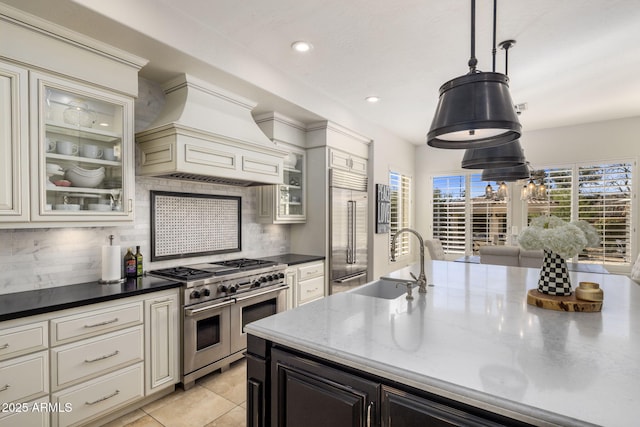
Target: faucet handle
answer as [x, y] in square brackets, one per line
[414, 276]
[408, 285]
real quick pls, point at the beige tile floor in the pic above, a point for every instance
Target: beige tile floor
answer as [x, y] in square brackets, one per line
[217, 400]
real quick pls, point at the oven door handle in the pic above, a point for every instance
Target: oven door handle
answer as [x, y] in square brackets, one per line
[193, 311]
[257, 294]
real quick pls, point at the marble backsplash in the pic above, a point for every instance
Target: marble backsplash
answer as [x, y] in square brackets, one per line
[42, 258]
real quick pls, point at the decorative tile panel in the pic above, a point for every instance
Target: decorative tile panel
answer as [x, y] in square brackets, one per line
[187, 224]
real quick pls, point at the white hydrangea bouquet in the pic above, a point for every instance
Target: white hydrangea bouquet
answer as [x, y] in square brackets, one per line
[560, 240]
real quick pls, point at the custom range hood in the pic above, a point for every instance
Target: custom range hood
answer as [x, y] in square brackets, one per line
[207, 134]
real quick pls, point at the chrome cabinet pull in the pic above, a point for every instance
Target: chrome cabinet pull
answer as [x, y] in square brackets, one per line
[115, 393]
[369, 411]
[3, 346]
[106, 322]
[6, 387]
[106, 356]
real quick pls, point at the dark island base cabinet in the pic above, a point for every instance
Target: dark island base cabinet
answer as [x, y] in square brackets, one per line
[290, 389]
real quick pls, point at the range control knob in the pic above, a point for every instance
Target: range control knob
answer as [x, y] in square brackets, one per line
[281, 275]
[194, 295]
[233, 289]
[222, 288]
[255, 284]
[263, 279]
[206, 292]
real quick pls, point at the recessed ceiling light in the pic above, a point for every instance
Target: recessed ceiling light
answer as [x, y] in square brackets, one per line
[372, 99]
[301, 46]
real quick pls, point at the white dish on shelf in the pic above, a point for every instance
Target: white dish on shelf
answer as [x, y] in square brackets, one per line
[89, 178]
[99, 207]
[54, 169]
[67, 207]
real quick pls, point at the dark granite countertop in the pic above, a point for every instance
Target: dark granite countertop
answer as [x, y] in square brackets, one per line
[293, 259]
[29, 303]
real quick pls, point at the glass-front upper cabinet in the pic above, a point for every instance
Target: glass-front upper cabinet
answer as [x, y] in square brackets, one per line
[83, 141]
[286, 203]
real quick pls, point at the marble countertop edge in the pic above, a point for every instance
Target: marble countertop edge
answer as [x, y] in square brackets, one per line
[445, 389]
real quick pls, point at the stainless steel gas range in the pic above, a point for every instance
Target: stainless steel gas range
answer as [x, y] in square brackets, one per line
[219, 300]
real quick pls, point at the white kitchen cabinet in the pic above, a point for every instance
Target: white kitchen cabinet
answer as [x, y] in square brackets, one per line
[286, 203]
[14, 154]
[24, 372]
[57, 85]
[162, 341]
[306, 282]
[341, 160]
[31, 414]
[82, 152]
[24, 378]
[93, 398]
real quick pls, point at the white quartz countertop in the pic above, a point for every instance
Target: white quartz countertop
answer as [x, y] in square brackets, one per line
[474, 338]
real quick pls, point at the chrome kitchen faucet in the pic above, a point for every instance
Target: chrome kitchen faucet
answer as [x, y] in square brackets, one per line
[422, 278]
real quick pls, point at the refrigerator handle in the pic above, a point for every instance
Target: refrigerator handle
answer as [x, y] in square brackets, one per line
[354, 210]
[350, 242]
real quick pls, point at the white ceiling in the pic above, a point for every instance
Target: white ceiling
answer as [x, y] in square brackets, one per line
[575, 61]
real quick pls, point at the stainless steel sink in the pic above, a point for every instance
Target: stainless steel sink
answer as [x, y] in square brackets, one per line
[384, 289]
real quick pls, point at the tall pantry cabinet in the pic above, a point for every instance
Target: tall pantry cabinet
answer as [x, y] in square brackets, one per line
[66, 126]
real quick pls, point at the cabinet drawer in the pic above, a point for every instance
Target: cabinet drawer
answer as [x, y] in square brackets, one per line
[95, 356]
[24, 378]
[310, 290]
[30, 414]
[90, 323]
[95, 397]
[23, 339]
[310, 271]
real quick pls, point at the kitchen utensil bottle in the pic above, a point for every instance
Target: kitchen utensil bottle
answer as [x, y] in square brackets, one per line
[139, 268]
[129, 264]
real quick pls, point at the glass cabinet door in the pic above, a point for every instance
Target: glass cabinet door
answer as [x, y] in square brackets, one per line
[84, 148]
[291, 196]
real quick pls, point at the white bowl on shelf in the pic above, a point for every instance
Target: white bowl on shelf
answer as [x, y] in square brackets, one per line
[99, 207]
[54, 169]
[88, 178]
[67, 207]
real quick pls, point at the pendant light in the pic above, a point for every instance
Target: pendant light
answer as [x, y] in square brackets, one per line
[508, 174]
[504, 155]
[475, 110]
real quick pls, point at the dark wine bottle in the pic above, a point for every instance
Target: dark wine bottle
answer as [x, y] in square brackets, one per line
[139, 269]
[129, 264]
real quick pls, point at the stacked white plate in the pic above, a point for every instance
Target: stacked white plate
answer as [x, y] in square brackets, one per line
[89, 178]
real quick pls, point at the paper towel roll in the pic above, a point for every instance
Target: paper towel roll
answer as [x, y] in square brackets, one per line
[111, 264]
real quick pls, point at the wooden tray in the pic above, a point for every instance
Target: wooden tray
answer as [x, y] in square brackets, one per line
[561, 303]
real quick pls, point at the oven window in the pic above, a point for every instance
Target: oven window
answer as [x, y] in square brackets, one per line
[258, 311]
[207, 332]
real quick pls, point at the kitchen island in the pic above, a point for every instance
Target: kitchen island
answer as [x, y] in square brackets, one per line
[471, 343]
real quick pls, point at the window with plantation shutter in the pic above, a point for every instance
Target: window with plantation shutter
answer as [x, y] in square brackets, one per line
[604, 200]
[488, 215]
[559, 183]
[449, 212]
[400, 188]
[600, 194]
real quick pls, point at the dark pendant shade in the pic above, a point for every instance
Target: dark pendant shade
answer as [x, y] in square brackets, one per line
[508, 174]
[474, 111]
[505, 155]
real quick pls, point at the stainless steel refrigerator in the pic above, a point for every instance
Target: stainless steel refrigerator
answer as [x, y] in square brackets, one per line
[349, 205]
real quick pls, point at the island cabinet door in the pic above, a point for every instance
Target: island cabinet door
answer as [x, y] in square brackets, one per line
[402, 409]
[308, 394]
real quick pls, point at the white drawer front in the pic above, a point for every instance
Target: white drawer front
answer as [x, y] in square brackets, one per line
[23, 339]
[310, 290]
[24, 378]
[30, 414]
[94, 322]
[310, 271]
[97, 396]
[94, 356]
